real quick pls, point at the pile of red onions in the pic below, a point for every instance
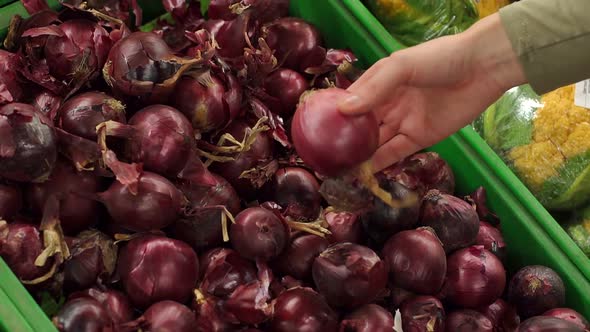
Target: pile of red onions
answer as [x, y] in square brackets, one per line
[200, 177]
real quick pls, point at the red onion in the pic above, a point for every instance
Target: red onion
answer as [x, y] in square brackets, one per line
[211, 102]
[302, 309]
[368, 318]
[47, 103]
[82, 113]
[210, 314]
[479, 198]
[259, 234]
[337, 70]
[76, 212]
[416, 261]
[169, 316]
[155, 268]
[267, 10]
[548, 324]
[10, 88]
[114, 302]
[230, 35]
[467, 320]
[297, 43]
[11, 201]
[491, 238]
[286, 86]
[83, 314]
[569, 315]
[204, 227]
[27, 144]
[92, 261]
[475, 277]
[349, 275]
[423, 172]
[141, 65]
[328, 140]
[296, 191]
[156, 204]
[455, 221]
[536, 289]
[398, 296]
[298, 257]
[20, 245]
[422, 313]
[249, 303]
[225, 271]
[344, 227]
[502, 315]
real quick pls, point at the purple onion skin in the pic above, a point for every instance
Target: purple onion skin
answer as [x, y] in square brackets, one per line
[491, 238]
[225, 271]
[259, 234]
[20, 245]
[569, 315]
[287, 86]
[345, 227]
[83, 314]
[297, 259]
[455, 221]
[383, 221]
[536, 289]
[475, 277]
[297, 192]
[9, 66]
[116, 303]
[157, 204]
[35, 151]
[467, 320]
[146, 265]
[76, 213]
[421, 312]
[11, 201]
[416, 261]
[81, 114]
[349, 275]
[502, 315]
[47, 103]
[203, 229]
[302, 309]
[368, 318]
[65, 53]
[295, 42]
[229, 35]
[548, 324]
[169, 316]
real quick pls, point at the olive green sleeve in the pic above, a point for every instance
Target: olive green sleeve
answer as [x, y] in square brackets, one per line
[551, 39]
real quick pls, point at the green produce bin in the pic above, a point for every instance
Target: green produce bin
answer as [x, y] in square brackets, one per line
[533, 237]
[5, 2]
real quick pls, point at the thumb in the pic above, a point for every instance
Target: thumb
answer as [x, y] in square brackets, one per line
[354, 104]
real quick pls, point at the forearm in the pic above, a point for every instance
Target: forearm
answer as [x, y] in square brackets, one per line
[551, 39]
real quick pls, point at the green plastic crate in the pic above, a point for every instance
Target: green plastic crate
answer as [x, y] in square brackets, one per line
[533, 237]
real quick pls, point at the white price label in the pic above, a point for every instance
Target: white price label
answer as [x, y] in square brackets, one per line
[582, 94]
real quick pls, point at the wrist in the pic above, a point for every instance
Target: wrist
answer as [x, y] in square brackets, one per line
[493, 53]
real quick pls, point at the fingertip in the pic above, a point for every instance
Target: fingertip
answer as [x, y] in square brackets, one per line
[353, 105]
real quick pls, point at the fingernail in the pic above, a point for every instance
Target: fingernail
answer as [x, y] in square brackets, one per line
[351, 104]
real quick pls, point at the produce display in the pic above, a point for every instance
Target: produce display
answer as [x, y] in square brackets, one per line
[197, 175]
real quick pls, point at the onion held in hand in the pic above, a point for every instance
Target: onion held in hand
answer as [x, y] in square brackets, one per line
[328, 141]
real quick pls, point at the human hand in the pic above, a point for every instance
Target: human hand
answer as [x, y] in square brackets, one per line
[425, 93]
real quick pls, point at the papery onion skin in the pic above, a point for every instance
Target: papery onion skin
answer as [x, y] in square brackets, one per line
[422, 313]
[491, 238]
[502, 314]
[20, 245]
[368, 318]
[259, 234]
[83, 314]
[536, 289]
[225, 271]
[455, 221]
[467, 320]
[170, 316]
[297, 259]
[146, 264]
[297, 191]
[328, 140]
[76, 212]
[548, 324]
[475, 277]
[81, 114]
[27, 144]
[416, 261]
[47, 103]
[11, 201]
[344, 227]
[157, 204]
[349, 275]
[10, 88]
[569, 315]
[302, 309]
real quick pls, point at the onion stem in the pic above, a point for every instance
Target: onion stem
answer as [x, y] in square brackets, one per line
[367, 177]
